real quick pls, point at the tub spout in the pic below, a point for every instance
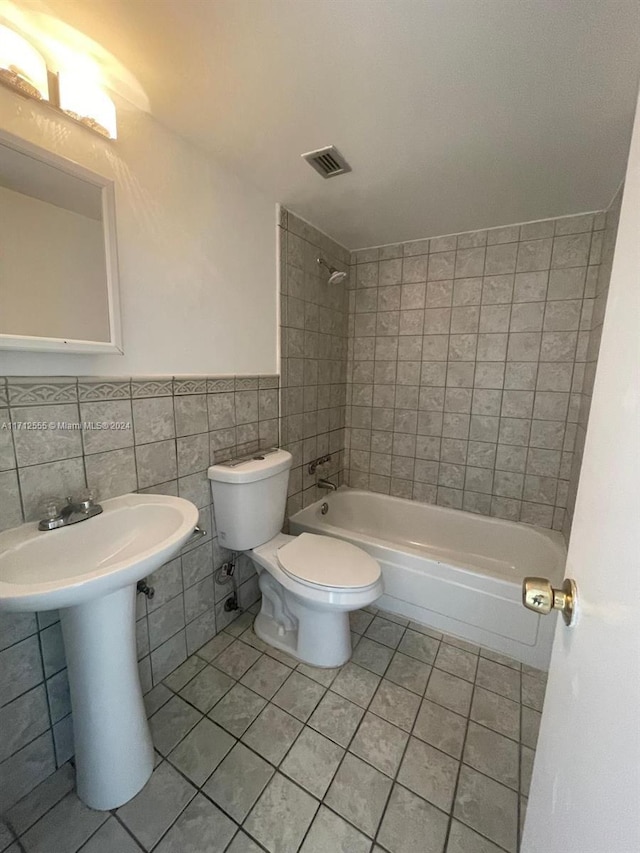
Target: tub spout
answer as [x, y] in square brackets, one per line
[326, 484]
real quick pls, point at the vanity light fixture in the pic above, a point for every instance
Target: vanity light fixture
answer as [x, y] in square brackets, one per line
[87, 103]
[74, 93]
[22, 67]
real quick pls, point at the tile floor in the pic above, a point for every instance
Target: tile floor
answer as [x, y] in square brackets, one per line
[420, 744]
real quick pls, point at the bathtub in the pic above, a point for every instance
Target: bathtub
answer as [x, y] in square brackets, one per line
[454, 571]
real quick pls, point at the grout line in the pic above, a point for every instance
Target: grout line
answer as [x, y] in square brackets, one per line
[421, 696]
[489, 229]
[125, 827]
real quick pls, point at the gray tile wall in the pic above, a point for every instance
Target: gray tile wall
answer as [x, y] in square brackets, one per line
[176, 428]
[466, 361]
[593, 347]
[314, 318]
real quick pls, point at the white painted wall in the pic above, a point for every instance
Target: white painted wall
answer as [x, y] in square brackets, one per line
[196, 251]
[454, 114]
[585, 792]
[53, 280]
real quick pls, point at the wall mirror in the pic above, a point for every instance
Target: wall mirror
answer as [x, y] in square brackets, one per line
[58, 254]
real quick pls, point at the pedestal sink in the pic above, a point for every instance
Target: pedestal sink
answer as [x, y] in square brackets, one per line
[90, 571]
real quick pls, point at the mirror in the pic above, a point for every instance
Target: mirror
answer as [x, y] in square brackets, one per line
[58, 257]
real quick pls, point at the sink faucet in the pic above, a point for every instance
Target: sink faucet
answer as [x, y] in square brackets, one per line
[71, 513]
[326, 484]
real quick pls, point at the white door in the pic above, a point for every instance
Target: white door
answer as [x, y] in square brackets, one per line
[585, 792]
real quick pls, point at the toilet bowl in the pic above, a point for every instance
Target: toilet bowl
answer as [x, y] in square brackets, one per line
[309, 583]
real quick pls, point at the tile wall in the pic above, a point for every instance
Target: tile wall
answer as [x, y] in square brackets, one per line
[466, 360]
[173, 429]
[593, 347]
[313, 320]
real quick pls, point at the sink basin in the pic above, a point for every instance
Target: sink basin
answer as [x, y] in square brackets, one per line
[89, 571]
[46, 570]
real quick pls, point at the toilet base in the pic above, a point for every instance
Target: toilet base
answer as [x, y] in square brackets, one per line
[320, 637]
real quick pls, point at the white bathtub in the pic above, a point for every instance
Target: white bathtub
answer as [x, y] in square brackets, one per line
[451, 570]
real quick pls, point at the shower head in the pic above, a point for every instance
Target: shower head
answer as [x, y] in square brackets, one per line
[335, 275]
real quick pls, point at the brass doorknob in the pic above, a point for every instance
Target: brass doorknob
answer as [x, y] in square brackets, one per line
[538, 595]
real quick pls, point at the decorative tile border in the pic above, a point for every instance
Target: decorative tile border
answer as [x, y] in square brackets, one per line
[218, 384]
[269, 382]
[189, 385]
[167, 450]
[93, 388]
[38, 390]
[152, 386]
[246, 383]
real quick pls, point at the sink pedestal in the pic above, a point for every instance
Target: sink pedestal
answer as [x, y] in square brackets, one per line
[114, 752]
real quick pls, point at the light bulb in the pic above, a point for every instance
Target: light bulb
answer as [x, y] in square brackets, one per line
[21, 65]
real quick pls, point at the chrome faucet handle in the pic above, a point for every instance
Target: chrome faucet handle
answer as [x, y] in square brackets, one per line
[57, 513]
[51, 508]
[86, 500]
[54, 513]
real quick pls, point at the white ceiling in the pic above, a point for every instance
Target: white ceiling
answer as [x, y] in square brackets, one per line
[454, 114]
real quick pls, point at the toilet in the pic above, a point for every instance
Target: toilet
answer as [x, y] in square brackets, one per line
[309, 583]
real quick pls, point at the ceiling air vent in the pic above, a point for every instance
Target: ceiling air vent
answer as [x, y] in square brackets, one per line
[328, 161]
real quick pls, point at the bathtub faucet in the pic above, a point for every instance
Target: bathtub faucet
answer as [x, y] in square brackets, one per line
[326, 484]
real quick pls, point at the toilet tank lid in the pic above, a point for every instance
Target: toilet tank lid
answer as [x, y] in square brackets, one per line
[248, 469]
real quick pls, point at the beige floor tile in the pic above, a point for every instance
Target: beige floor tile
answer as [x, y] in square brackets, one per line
[488, 807]
[237, 709]
[312, 761]
[409, 673]
[238, 781]
[208, 686]
[151, 812]
[395, 704]
[236, 659]
[331, 833]
[450, 691]
[379, 743]
[500, 679]
[201, 828]
[457, 661]
[385, 632]
[359, 793]
[336, 718]
[372, 656]
[411, 825]
[266, 676]
[63, 829]
[299, 696]
[200, 752]
[171, 723]
[429, 773]
[465, 840]
[420, 646]
[441, 728]
[530, 726]
[282, 815]
[272, 733]
[496, 712]
[492, 754]
[356, 684]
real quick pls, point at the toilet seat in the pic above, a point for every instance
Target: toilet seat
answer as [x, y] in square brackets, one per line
[327, 562]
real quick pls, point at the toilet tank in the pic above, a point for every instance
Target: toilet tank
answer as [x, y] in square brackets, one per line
[249, 498]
